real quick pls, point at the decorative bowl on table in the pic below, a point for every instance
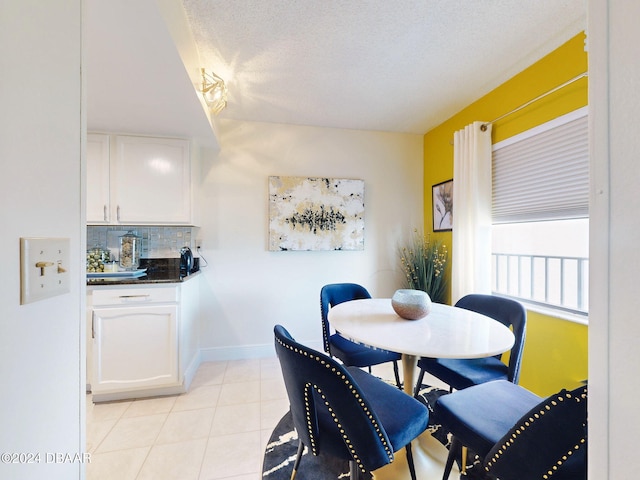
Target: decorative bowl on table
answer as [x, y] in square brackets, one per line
[411, 304]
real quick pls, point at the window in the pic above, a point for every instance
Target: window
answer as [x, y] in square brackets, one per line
[541, 215]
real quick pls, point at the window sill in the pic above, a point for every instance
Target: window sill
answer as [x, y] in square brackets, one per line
[549, 310]
[556, 313]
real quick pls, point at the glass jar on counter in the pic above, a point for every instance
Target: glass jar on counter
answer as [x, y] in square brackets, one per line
[130, 246]
[97, 258]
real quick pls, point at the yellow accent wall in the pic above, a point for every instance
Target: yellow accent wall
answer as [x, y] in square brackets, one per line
[555, 353]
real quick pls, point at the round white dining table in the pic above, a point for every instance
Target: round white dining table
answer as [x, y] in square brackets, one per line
[446, 332]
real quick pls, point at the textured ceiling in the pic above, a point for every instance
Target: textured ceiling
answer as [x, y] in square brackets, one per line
[400, 66]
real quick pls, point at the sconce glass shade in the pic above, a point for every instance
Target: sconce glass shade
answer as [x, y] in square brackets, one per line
[214, 92]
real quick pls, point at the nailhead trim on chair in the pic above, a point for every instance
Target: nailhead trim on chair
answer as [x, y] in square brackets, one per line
[325, 334]
[527, 423]
[307, 393]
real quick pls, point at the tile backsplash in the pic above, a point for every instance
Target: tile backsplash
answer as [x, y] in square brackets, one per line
[157, 242]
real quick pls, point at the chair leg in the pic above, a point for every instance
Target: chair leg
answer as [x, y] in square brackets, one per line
[463, 460]
[454, 449]
[354, 471]
[397, 374]
[412, 467]
[418, 383]
[298, 458]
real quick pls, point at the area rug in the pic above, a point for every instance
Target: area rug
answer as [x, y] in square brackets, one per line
[280, 452]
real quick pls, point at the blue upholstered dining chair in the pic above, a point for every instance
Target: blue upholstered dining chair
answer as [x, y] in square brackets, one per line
[344, 411]
[350, 353]
[518, 435]
[463, 373]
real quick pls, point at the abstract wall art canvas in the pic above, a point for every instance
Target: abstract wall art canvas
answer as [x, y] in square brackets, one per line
[316, 213]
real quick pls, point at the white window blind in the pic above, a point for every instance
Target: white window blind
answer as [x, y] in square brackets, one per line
[543, 174]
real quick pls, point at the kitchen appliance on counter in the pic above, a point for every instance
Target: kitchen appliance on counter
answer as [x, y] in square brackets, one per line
[187, 262]
[169, 268]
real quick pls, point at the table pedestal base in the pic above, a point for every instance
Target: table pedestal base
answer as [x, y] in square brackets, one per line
[409, 363]
[429, 457]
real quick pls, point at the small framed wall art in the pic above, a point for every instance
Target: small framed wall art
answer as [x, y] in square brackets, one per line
[307, 213]
[443, 206]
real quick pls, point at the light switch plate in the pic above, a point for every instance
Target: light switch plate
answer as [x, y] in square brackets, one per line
[44, 268]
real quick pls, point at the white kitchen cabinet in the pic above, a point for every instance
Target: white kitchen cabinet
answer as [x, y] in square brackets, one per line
[98, 202]
[142, 340]
[135, 347]
[149, 181]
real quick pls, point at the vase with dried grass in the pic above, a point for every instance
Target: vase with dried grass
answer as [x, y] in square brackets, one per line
[423, 262]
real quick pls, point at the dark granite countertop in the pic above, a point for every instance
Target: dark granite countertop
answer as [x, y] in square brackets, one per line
[159, 270]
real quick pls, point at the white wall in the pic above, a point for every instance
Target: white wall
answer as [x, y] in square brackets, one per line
[614, 328]
[246, 288]
[41, 396]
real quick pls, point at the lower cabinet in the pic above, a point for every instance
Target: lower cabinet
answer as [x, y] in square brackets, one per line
[135, 347]
[140, 341]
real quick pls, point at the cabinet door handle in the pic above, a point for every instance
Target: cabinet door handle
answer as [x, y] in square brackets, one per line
[118, 213]
[135, 298]
[104, 213]
[93, 322]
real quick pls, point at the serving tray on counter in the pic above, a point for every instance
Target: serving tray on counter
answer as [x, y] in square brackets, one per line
[123, 273]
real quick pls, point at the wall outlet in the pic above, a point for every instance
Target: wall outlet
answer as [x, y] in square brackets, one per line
[44, 268]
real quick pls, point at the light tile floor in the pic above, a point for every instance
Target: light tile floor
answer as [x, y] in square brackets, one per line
[218, 430]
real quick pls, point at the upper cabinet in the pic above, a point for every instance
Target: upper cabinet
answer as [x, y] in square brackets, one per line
[138, 180]
[98, 203]
[151, 180]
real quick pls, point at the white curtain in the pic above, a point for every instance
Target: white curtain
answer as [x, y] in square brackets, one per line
[471, 249]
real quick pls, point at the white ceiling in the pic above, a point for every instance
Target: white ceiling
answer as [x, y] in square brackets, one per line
[136, 81]
[398, 66]
[391, 65]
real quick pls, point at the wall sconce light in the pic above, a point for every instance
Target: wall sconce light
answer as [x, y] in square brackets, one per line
[214, 91]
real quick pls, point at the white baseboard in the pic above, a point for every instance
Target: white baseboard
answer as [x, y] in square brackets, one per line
[212, 354]
[191, 370]
[138, 393]
[217, 354]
